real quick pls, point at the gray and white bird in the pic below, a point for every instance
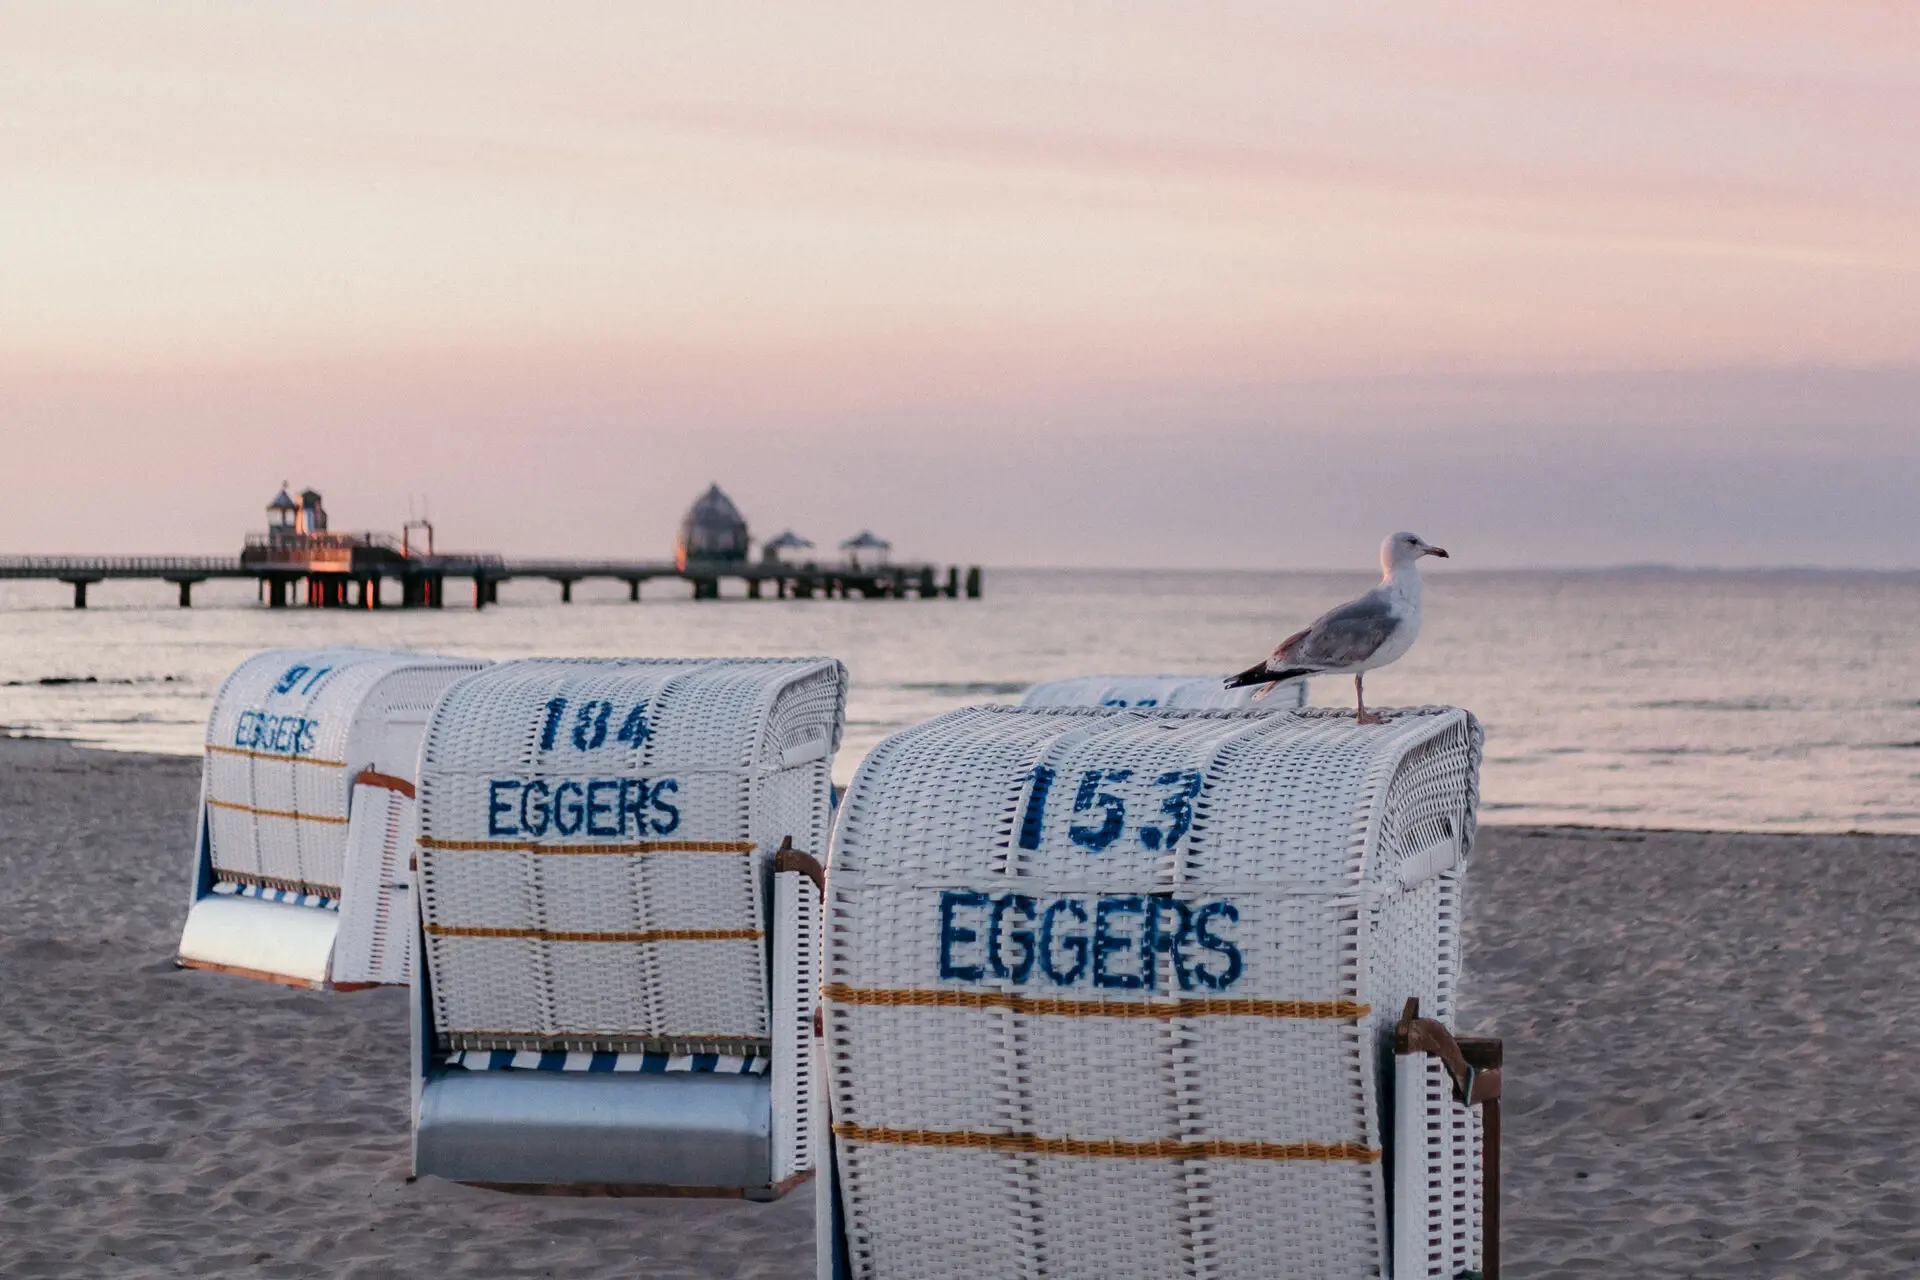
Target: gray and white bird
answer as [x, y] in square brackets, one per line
[1360, 635]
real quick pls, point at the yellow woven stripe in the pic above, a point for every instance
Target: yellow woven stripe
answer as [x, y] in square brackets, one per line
[558, 935]
[1034, 1144]
[275, 755]
[1205, 1007]
[641, 846]
[275, 813]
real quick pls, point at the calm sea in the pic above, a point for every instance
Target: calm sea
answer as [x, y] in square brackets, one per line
[1767, 701]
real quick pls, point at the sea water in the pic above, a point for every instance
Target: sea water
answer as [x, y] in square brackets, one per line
[1784, 701]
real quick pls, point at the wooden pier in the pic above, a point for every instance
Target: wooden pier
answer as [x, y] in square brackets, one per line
[300, 559]
[81, 572]
[353, 572]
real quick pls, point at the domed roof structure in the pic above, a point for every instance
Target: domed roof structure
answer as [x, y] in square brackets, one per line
[281, 502]
[712, 529]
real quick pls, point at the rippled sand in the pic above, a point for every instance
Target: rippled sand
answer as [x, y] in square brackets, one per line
[1713, 1049]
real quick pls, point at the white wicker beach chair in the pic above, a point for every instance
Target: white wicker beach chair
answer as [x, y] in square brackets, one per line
[306, 821]
[1183, 693]
[1123, 994]
[619, 910]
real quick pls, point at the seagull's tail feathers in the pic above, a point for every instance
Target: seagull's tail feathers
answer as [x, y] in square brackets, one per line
[1261, 673]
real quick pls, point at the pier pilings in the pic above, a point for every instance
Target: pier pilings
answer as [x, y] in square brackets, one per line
[327, 590]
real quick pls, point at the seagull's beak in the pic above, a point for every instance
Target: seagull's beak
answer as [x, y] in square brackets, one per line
[1437, 551]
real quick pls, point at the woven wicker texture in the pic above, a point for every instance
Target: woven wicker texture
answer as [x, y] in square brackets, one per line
[1180, 693]
[594, 847]
[289, 731]
[1414, 941]
[796, 985]
[1110, 993]
[375, 943]
[1442, 1216]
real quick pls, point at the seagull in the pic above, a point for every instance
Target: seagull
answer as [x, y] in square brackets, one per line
[1360, 635]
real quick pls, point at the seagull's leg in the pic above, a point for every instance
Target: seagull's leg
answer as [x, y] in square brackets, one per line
[1360, 699]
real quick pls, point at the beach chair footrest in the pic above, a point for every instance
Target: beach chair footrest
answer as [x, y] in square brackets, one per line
[274, 940]
[694, 1130]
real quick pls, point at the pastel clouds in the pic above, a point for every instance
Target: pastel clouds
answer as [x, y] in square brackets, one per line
[918, 219]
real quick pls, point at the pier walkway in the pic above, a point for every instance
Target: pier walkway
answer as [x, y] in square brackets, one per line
[422, 578]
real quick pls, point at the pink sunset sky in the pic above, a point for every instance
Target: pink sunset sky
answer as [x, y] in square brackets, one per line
[1033, 283]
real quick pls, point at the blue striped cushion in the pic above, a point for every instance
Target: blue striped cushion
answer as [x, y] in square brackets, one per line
[276, 895]
[641, 1063]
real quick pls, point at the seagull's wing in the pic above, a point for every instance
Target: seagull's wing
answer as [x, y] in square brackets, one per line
[1341, 637]
[1278, 658]
[1338, 639]
[1268, 670]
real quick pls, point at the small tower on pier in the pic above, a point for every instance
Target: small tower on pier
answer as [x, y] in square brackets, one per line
[283, 516]
[313, 516]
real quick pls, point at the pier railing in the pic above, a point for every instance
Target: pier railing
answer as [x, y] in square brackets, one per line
[98, 567]
[329, 541]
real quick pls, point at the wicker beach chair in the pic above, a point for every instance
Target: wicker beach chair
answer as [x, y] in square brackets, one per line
[619, 906]
[1125, 994]
[301, 850]
[1183, 693]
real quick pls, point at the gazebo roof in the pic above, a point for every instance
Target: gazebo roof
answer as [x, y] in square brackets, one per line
[787, 541]
[866, 541]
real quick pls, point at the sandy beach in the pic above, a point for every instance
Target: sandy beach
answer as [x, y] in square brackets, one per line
[1713, 1057]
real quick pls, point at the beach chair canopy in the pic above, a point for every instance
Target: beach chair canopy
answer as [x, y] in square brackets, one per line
[1113, 993]
[290, 733]
[1185, 693]
[598, 900]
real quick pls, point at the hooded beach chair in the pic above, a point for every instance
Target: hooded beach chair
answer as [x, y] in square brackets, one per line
[619, 906]
[1140, 994]
[306, 816]
[1184, 693]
